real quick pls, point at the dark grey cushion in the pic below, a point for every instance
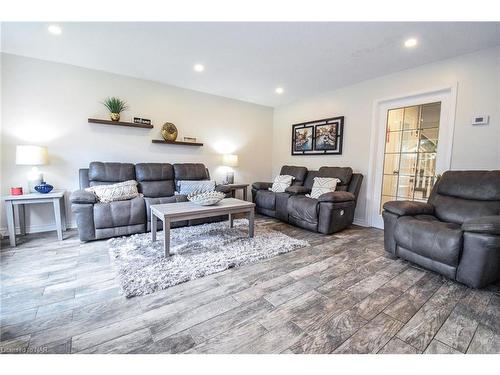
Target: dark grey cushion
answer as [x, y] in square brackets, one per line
[82, 197]
[120, 213]
[337, 196]
[478, 185]
[190, 171]
[486, 224]
[344, 174]
[298, 172]
[303, 208]
[110, 172]
[430, 238]
[409, 208]
[310, 178]
[297, 190]
[266, 199]
[155, 179]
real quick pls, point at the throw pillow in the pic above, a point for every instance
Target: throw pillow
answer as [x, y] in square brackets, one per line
[116, 192]
[281, 183]
[200, 186]
[322, 185]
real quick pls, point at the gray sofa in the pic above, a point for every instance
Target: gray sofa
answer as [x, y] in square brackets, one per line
[456, 233]
[328, 214]
[156, 181]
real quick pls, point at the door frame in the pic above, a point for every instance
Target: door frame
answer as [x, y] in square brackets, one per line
[447, 95]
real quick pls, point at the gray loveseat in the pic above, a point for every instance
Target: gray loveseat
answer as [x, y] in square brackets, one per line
[328, 214]
[456, 233]
[156, 181]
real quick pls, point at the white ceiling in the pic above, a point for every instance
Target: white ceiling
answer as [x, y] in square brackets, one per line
[247, 61]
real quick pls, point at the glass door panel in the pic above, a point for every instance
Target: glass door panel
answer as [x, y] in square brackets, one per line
[410, 152]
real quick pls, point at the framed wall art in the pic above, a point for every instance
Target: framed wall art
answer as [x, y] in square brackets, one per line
[318, 137]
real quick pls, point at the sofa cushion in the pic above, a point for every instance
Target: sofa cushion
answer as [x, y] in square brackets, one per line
[303, 208]
[120, 191]
[281, 183]
[298, 173]
[187, 187]
[265, 199]
[477, 185]
[191, 171]
[120, 213]
[105, 173]
[344, 174]
[430, 238]
[162, 200]
[323, 185]
[155, 179]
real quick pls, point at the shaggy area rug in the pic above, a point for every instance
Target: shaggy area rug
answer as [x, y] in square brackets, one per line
[196, 251]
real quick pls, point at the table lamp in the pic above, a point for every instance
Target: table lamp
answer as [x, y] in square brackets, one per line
[34, 156]
[230, 160]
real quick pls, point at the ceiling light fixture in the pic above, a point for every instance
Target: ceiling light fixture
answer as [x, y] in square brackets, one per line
[55, 29]
[198, 68]
[279, 90]
[412, 42]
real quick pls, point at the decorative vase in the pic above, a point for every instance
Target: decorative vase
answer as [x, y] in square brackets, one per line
[169, 132]
[115, 116]
[44, 188]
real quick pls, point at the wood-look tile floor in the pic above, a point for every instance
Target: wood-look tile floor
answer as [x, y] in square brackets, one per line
[342, 294]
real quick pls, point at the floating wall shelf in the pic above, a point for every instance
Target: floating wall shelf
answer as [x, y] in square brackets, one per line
[120, 123]
[177, 142]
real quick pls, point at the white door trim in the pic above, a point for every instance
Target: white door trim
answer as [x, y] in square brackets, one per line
[447, 125]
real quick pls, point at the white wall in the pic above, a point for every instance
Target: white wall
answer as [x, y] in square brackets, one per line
[48, 104]
[478, 77]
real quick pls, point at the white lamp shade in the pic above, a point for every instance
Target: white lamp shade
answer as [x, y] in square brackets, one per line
[230, 160]
[31, 155]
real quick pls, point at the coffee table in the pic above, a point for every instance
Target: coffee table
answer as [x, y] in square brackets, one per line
[171, 212]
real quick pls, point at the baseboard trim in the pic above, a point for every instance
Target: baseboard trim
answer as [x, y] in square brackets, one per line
[360, 222]
[35, 228]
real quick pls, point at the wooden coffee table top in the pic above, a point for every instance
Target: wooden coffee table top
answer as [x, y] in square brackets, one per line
[189, 208]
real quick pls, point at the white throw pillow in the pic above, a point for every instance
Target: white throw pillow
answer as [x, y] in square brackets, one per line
[281, 183]
[190, 186]
[323, 185]
[116, 192]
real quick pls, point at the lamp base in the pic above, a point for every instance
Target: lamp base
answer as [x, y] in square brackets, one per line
[35, 177]
[229, 178]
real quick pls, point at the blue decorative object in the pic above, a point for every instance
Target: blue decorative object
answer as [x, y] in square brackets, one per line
[44, 188]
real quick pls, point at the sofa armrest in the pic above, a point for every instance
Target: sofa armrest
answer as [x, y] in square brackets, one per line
[485, 224]
[297, 190]
[337, 197]
[261, 185]
[82, 197]
[409, 208]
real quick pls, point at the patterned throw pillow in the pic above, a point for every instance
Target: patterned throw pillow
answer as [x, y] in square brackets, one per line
[190, 186]
[281, 183]
[323, 185]
[121, 191]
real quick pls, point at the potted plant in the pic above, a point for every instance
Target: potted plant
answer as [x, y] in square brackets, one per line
[115, 106]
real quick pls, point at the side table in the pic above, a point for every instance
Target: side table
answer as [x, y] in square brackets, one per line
[55, 197]
[233, 187]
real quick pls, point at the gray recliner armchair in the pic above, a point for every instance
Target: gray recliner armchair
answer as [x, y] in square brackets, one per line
[456, 233]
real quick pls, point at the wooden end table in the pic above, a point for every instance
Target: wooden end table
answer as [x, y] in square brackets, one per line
[233, 187]
[56, 197]
[181, 211]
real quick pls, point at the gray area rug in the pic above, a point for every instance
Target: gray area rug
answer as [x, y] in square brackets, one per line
[196, 251]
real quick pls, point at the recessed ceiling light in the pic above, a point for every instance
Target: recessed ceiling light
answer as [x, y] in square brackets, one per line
[412, 42]
[279, 90]
[55, 29]
[198, 68]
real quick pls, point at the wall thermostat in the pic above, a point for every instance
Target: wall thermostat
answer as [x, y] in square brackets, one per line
[480, 120]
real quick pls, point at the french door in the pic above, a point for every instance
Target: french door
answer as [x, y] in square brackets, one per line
[414, 146]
